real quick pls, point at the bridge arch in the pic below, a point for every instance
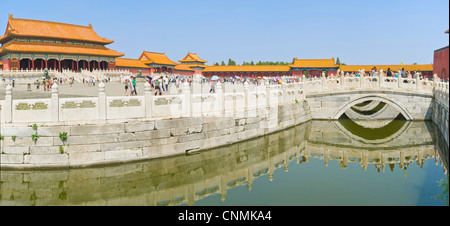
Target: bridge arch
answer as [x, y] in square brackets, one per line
[384, 99]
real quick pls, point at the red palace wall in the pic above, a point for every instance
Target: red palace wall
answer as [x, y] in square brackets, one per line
[440, 63]
[6, 64]
[184, 73]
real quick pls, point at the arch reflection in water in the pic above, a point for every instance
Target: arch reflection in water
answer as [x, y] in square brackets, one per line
[373, 131]
[187, 179]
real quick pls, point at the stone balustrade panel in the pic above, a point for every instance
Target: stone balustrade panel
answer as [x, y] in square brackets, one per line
[75, 109]
[32, 110]
[125, 107]
[168, 106]
[205, 104]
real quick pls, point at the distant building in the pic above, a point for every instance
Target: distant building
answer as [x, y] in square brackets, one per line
[314, 67]
[191, 62]
[440, 62]
[132, 65]
[158, 62]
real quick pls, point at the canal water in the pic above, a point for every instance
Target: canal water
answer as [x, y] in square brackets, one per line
[318, 163]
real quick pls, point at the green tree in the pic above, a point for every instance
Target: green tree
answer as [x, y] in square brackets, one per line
[223, 63]
[216, 64]
[338, 62]
[231, 62]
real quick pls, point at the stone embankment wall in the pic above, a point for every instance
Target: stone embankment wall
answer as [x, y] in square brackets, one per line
[116, 141]
[440, 109]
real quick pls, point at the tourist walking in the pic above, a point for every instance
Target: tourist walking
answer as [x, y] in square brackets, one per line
[131, 88]
[213, 87]
[126, 88]
[166, 83]
[389, 72]
[158, 84]
[403, 73]
[134, 86]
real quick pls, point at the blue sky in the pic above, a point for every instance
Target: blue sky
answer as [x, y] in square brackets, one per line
[356, 31]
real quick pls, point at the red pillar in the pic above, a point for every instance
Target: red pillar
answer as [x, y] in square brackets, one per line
[59, 65]
[89, 66]
[46, 64]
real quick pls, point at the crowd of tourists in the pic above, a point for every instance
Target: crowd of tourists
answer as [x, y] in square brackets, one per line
[160, 84]
[389, 73]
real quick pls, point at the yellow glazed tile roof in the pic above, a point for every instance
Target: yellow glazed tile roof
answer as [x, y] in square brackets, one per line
[314, 63]
[47, 29]
[393, 67]
[59, 48]
[196, 65]
[192, 57]
[156, 58]
[1, 63]
[183, 67]
[248, 68]
[126, 62]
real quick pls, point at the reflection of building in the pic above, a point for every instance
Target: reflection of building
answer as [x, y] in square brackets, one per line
[185, 179]
[34, 44]
[440, 62]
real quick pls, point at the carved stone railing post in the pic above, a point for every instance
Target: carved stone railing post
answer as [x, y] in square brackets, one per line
[55, 103]
[323, 80]
[102, 101]
[8, 104]
[435, 81]
[246, 98]
[187, 98]
[399, 79]
[267, 95]
[148, 100]
[284, 92]
[380, 78]
[361, 81]
[220, 97]
[417, 82]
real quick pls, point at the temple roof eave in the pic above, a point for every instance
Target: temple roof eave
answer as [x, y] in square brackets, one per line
[48, 29]
[59, 49]
[192, 57]
[5, 37]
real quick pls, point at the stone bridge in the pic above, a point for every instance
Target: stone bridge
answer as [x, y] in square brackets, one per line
[330, 98]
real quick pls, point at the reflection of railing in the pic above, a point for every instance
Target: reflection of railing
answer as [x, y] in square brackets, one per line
[183, 180]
